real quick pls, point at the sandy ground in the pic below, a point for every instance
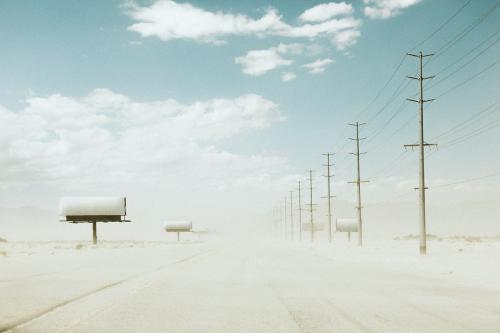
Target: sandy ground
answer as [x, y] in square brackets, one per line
[244, 286]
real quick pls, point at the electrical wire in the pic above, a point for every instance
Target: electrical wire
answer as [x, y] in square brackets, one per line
[470, 78]
[442, 25]
[496, 174]
[474, 118]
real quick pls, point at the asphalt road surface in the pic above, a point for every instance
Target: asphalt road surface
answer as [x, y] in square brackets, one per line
[230, 287]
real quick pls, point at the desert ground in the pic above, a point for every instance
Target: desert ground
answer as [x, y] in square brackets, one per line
[217, 285]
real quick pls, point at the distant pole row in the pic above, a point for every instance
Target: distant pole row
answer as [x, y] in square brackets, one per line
[283, 213]
[358, 181]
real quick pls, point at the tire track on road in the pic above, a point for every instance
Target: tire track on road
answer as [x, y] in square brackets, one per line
[113, 305]
[39, 314]
[291, 313]
[350, 319]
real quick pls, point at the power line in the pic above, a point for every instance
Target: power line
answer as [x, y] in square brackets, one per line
[408, 165]
[475, 133]
[372, 149]
[470, 78]
[393, 74]
[475, 48]
[359, 114]
[474, 118]
[339, 138]
[399, 90]
[461, 35]
[402, 106]
[496, 174]
[432, 34]
[389, 165]
[466, 64]
[446, 46]
[443, 49]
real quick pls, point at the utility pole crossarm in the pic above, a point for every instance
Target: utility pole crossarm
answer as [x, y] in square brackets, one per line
[420, 55]
[420, 101]
[413, 145]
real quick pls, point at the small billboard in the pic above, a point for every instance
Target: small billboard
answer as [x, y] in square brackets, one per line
[346, 225]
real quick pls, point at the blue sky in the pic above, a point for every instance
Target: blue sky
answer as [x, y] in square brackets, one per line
[70, 48]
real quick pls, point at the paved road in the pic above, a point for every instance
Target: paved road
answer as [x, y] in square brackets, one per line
[235, 287]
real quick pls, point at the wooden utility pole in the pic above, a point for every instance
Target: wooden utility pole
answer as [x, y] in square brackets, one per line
[282, 227]
[285, 222]
[329, 196]
[300, 214]
[291, 215]
[311, 219]
[421, 147]
[94, 233]
[276, 220]
[358, 182]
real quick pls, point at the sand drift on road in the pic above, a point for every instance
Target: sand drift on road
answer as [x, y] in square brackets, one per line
[261, 286]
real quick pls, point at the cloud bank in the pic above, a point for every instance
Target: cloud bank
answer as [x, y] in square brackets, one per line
[108, 137]
[169, 20]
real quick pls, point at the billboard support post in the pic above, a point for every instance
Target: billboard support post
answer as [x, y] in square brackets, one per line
[94, 233]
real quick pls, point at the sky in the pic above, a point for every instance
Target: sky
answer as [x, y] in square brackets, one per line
[213, 110]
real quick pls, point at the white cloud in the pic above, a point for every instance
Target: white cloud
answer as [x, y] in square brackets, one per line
[258, 62]
[315, 49]
[288, 76]
[108, 137]
[325, 11]
[318, 66]
[326, 28]
[167, 20]
[383, 9]
[346, 38]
